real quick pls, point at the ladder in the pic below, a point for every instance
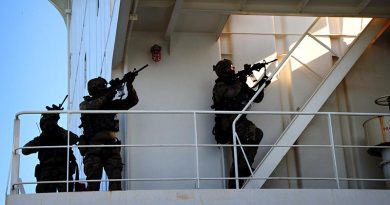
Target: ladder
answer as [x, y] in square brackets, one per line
[314, 103]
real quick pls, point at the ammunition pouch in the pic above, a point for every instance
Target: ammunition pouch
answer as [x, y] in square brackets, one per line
[103, 138]
[113, 150]
[222, 129]
[95, 123]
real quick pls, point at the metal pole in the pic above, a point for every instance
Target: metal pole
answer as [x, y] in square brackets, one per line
[196, 152]
[68, 13]
[15, 158]
[235, 136]
[223, 166]
[67, 156]
[333, 150]
[322, 44]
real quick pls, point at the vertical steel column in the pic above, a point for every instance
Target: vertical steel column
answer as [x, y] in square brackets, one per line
[67, 153]
[333, 150]
[15, 158]
[68, 12]
[196, 152]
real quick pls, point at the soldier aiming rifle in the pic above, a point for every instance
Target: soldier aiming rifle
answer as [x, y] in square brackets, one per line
[53, 162]
[101, 129]
[248, 72]
[232, 93]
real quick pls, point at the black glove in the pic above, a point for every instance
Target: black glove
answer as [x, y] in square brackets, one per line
[267, 81]
[115, 83]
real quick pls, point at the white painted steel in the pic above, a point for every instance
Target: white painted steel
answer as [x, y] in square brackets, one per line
[377, 130]
[15, 162]
[15, 158]
[323, 44]
[235, 137]
[223, 164]
[261, 88]
[196, 152]
[386, 165]
[173, 19]
[298, 124]
[331, 139]
[68, 17]
[209, 197]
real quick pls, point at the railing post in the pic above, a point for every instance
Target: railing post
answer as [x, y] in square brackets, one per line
[223, 165]
[15, 158]
[331, 138]
[196, 152]
[67, 151]
[235, 136]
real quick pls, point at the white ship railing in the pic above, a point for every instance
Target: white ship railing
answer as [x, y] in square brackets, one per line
[16, 185]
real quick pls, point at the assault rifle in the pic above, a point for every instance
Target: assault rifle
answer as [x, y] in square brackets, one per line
[117, 84]
[59, 107]
[248, 69]
[248, 72]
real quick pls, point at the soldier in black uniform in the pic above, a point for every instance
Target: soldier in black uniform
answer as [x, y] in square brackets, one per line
[231, 93]
[52, 161]
[100, 129]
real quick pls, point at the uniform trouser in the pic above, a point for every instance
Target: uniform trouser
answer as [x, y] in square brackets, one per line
[108, 158]
[52, 173]
[248, 134]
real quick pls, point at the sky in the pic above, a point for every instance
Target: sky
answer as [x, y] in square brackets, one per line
[33, 66]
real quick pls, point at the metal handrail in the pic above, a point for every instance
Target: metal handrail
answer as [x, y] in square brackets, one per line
[16, 159]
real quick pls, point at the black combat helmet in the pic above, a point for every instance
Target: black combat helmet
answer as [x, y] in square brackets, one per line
[221, 69]
[96, 86]
[47, 121]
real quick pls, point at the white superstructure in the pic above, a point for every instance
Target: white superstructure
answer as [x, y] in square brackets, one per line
[329, 72]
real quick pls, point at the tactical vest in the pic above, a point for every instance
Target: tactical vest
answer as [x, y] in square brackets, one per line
[94, 123]
[54, 156]
[230, 96]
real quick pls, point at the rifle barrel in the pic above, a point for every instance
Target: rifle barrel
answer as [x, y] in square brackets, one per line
[272, 61]
[63, 101]
[143, 67]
